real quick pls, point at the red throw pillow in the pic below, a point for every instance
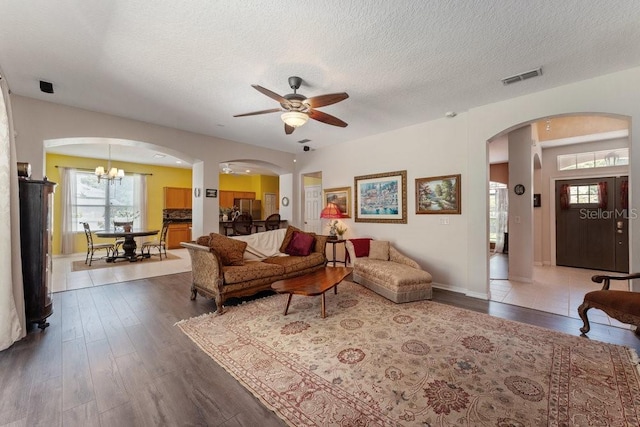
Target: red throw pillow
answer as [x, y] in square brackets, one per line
[361, 246]
[301, 244]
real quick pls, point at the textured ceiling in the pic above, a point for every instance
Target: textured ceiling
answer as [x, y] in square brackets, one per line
[190, 65]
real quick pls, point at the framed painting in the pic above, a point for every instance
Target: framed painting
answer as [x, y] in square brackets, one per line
[438, 195]
[340, 197]
[381, 197]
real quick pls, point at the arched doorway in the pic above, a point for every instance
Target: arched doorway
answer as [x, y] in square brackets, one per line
[577, 135]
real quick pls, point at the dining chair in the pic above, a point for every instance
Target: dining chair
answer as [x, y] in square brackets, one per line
[92, 247]
[272, 222]
[120, 226]
[160, 244]
[242, 225]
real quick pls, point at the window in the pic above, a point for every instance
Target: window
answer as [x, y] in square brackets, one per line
[593, 159]
[496, 208]
[99, 203]
[584, 194]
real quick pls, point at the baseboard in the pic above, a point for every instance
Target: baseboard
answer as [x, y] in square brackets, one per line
[538, 264]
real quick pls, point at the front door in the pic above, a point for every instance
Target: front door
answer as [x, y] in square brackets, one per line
[592, 223]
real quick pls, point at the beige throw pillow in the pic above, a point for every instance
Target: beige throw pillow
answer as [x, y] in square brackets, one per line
[231, 251]
[379, 249]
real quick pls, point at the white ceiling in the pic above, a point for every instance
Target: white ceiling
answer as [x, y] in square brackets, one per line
[190, 65]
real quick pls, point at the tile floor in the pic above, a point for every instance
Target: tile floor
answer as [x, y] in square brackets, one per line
[558, 290]
[64, 279]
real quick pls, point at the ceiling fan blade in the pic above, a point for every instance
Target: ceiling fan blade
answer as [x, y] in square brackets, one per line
[271, 94]
[288, 129]
[273, 110]
[326, 118]
[322, 100]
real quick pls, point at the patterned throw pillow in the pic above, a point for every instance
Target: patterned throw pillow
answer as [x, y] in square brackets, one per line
[231, 251]
[361, 246]
[301, 244]
[379, 249]
[203, 240]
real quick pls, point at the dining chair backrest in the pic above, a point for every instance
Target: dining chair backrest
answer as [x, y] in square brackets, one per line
[87, 233]
[272, 222]
[243, 224]
[163, 233]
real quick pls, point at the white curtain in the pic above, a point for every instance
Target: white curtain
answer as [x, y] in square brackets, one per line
[140, 202]
[12, 317]
[68, 214]
[502, 210]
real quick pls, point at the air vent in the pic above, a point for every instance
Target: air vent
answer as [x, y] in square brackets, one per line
[304, 141]
[522, 76]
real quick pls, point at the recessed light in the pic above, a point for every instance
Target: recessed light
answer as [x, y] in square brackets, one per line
[248, 171]
[450, 114]
[179, 162]
[159, 156]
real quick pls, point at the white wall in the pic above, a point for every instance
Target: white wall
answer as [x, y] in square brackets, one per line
[36, 121]
[430, 149]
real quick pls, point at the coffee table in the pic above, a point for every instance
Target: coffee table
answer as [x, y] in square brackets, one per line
[316, 283]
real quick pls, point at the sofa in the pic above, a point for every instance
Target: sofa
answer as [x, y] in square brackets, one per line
[225, 267]
[379, 266]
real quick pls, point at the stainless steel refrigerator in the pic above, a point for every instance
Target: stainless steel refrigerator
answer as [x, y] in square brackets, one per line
[250, 206]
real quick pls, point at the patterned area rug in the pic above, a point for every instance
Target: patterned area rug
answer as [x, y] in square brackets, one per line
[371, 362]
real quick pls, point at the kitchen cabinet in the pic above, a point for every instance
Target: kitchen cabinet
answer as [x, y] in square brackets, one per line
[177, 198]
[178, 232]
[227, 197]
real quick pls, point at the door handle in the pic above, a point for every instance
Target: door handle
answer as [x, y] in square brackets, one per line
[619, 227]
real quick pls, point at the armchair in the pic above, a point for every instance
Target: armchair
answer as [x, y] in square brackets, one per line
[623, 306]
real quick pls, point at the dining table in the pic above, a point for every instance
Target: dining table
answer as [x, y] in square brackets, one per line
[129, 244]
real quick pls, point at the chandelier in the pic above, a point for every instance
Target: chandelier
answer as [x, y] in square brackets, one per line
[110, 174]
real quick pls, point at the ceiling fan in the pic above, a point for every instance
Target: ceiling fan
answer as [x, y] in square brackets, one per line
[297, 109]
[227, 170]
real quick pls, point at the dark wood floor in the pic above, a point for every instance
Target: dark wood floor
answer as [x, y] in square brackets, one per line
[113, 357]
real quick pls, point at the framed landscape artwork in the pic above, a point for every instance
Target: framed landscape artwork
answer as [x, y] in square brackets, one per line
[438, 195]
[381, 197]
[340, 197]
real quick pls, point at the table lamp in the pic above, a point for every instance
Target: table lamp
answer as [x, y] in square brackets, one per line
[331, 211]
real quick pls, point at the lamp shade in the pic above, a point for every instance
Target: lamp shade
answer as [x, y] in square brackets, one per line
[332, 211]
[294, 118]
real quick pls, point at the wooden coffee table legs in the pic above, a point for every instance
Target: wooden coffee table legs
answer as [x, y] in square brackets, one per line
[315, 283]
[335, 291]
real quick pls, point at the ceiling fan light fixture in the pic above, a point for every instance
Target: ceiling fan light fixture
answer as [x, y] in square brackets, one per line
[294, 118]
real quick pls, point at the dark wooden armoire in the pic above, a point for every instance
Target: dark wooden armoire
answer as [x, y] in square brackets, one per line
[36, 228]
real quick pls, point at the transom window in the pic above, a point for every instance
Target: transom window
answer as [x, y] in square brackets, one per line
[593, 159]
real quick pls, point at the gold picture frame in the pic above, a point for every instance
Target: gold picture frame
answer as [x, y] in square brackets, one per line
[438, 195]
[381, 197]
[341, 197]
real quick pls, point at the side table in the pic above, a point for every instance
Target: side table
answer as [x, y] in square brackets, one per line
[333, 244]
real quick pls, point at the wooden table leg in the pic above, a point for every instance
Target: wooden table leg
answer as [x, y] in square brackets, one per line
[323, 311]
[288, 302]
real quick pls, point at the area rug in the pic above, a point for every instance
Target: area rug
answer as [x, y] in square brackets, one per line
[102, 262]
[371, 362]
